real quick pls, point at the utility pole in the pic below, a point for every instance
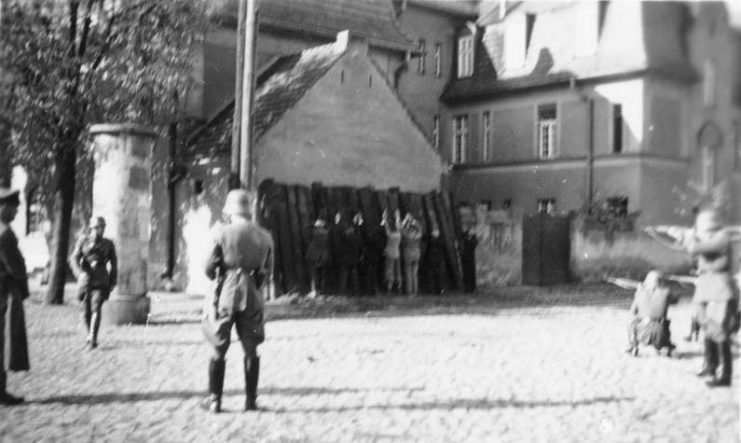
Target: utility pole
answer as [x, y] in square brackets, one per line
[237, 117]
[246, 145]
[590, 154]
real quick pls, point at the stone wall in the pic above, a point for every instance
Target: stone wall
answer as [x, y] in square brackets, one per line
[499, 252]
[594, 253]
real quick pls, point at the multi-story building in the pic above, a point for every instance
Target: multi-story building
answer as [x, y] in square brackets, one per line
[409, 41]
[556, 105]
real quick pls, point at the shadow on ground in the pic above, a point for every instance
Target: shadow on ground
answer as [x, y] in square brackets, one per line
[496, 301]
[133, 397]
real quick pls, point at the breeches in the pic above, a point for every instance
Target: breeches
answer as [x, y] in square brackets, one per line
[392, 270]
[250, 330]
[92, 301]
[654, 333]
[411, 269]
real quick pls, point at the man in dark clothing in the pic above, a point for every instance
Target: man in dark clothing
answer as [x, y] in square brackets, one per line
[13, 290]
[241, 262]
[434, 259]
[95, 265]
[348, 256]
[468, 259]
[374, 241]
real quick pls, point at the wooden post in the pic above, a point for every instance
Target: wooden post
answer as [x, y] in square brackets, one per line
[590, 155]
[248, 86]
[237, 116]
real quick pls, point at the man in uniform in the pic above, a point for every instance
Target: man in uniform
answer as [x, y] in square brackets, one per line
[90, 262]
[241, 262]
[13, 290]
[716, 295]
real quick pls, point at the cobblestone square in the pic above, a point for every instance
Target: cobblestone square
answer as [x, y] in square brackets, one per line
[462, 369]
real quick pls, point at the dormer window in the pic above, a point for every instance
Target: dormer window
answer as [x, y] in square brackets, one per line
[465, 56]
[422, 57]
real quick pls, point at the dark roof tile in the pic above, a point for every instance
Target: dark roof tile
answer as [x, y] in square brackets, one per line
[279, 88]
[373, 20]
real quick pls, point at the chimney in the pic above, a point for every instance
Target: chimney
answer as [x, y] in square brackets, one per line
[502, 9]
[343, 38]
[350, 42]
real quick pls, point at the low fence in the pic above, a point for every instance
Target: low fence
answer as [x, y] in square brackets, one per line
[289, 212]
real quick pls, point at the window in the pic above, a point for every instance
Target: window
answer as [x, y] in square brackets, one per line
[436, 132]
[617, 128]
[587, 28]
[465, 56]
[460, 134]
[547, 206]
[708, 84]
[438, 59]
[515, 42]
[486, 134]
[422, 57]
[547, 136]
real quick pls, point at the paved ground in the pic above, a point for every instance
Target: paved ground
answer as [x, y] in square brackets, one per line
[517, 366]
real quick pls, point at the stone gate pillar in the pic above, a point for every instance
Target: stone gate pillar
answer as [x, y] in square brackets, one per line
[122, 194]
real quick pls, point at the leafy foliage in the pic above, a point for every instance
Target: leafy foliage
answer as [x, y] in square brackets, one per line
[65, 64]
[71, 63]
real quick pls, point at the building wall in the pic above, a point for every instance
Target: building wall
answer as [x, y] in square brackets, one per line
[519, 175]
[421, 91]
[349, 132]
[712, 40]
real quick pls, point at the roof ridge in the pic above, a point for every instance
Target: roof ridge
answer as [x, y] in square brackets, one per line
[272, 61]
[337, 50]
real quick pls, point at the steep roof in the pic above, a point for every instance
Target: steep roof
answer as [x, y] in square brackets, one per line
[372, 20]
[278, 89]
[463, 8]
[634, 38]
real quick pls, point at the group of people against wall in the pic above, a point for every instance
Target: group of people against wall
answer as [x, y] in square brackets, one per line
[352, 257]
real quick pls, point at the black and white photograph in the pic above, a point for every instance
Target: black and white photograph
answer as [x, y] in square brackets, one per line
[370, 221]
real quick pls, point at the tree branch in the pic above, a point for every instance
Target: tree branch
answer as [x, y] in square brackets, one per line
[85, 28]
[108, 39]
[73, 7]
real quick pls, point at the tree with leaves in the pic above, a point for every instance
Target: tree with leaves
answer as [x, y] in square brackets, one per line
[67, 64]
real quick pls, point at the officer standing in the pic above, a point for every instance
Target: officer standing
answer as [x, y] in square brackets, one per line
[95, 265]
[13, 290]
[241, 262]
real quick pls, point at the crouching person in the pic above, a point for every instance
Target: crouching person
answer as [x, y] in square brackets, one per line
[241, 262]
[650, 324]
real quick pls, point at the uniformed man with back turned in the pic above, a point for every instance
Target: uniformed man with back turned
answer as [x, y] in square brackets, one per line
[241, 262]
